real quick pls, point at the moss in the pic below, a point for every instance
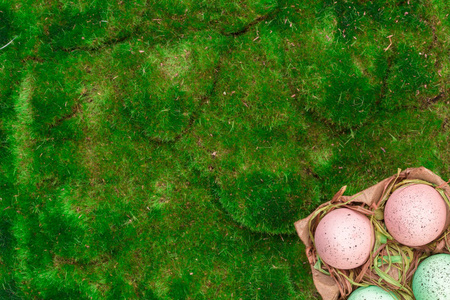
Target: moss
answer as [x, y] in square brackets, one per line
[56, 95]
[224, 16]
[75, 28]
[410, 73]
[394, 143]
[348, 98]
[163, 91]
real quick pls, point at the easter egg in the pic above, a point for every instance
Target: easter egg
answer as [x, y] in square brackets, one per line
[415, 215]
[344, 238]
[371, 293]
[431, 280]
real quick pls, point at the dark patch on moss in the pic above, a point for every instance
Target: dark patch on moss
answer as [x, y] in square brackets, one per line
[10, 290]
[72, 27]
[6, 27]
[179, 289]
[349, 98]
[275, 282]
[410, 74]
[265, 201]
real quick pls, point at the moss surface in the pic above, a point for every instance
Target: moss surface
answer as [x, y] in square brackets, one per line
[163, 149]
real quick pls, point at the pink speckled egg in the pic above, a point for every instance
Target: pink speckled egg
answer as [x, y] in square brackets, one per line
[415, 215]
[344, 238]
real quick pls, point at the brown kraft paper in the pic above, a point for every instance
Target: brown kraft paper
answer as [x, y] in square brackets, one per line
[326, 285]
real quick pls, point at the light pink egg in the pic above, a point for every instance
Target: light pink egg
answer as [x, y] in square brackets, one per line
[344, 238]
[415, 215]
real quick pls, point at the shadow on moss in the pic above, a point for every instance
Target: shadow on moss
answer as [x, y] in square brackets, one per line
[266, 201]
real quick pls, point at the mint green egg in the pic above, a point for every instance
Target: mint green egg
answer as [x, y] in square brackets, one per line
[432, 278]
[371, 293]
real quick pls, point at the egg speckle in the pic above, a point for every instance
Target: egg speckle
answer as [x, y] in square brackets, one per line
[371, 293]
[415, 215]
[344, 238]
[432, 278]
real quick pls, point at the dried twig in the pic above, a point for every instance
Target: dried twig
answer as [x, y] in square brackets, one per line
[8, 43]
[390, 42]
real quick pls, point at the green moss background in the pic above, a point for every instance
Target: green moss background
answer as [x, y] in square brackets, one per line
[163, 149]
